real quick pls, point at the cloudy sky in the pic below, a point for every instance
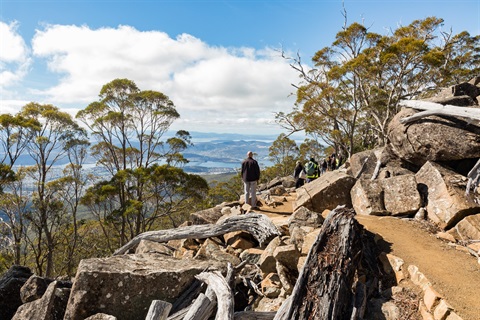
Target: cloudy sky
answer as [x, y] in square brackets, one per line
[218, 61]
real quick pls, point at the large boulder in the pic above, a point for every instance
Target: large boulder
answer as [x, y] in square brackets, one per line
[367, 198]
[397, 195]
[326, 192]
[10, 285]
[445, 194]
[434, 138]
[401, 196]
[124, 286]
[51, 306]
[363, 163]
[303, 217]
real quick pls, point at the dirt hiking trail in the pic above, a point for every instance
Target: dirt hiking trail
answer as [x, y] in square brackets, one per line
[454, 274]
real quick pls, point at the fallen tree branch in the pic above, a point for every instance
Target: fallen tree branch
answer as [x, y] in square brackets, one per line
[259, 225]
[201, 309]
[433, 108]
[158, 310]
[222, 290]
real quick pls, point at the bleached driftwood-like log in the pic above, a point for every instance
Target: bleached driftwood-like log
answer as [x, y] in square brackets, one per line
[433, 108]
[258, 225]
[158, 310]
[196, 310]
[201, 309]
[222, 290]
[324, 288]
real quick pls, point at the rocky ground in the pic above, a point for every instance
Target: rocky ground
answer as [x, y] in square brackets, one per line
[454, 274]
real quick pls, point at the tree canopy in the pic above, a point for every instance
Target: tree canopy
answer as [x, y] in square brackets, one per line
[352, 91]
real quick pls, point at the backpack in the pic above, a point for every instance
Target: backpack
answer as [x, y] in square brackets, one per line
[311, 168]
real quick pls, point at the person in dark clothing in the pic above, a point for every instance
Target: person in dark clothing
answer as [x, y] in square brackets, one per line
[333, 162]
[299, 174]
[324, 166]
[250, 176]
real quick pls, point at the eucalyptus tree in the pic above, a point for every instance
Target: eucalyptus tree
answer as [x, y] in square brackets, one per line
[128, 126]
[48, 147]
[283, 153]
[356, 83]
[14, 137]
[14, 207]
[328, 98]
[70, 187]
[311, 148]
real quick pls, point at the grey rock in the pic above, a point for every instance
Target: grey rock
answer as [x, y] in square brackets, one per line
[367, 198]
[401, 196]
[10, 285]
[51, 306]
[445, 193]
[326, 192]
[433, 138]
[34, 288]
[124, 286]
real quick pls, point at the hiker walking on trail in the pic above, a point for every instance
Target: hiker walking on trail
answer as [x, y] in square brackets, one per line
[299, 174]
[250, 176]
[311, 168]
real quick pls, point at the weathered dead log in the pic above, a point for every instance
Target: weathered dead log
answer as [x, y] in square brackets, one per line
[185, 300]
[222, 290]
[201, 309]
[433, 108]
[251, 315]
[158, 310]
[324, 289]
[259, 225]
[178, 315]
[198, 310]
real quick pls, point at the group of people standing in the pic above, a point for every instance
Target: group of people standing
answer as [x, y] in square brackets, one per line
[302, 174]
[312, 169]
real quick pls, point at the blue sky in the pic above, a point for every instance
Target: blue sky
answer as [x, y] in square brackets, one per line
[218, 61]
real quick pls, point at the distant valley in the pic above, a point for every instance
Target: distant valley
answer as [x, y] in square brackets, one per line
[211, 153]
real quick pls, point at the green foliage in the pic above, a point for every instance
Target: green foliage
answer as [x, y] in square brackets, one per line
[311, 148]
[283, 153]
[225, 191]
[129, 125]
[353, 92]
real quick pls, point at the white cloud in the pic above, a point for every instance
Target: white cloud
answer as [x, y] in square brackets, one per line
[211, 86]
[14, 59]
